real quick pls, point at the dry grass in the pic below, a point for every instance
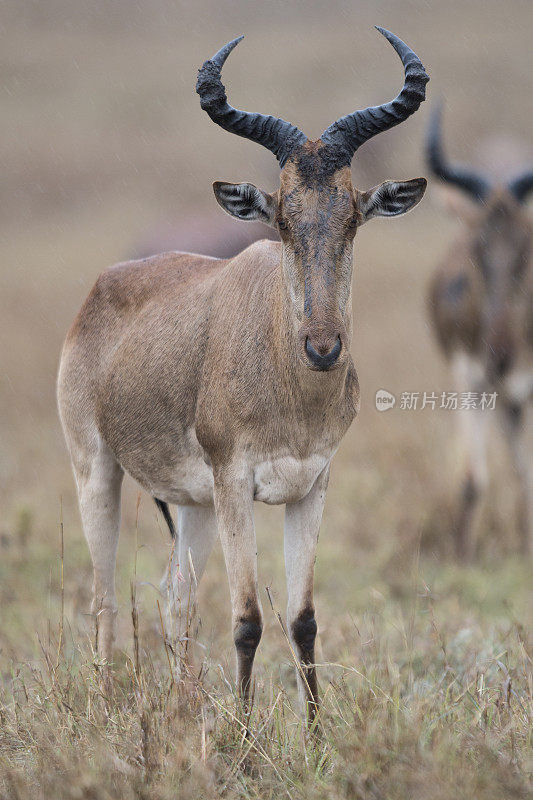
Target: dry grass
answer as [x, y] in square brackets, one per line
[425, 664]
[422, 704]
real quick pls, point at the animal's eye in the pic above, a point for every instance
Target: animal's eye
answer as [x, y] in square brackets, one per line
[282, 225]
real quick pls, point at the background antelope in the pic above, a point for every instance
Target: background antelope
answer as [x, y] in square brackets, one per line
[209, 232]
[481, 305]
[216, 383]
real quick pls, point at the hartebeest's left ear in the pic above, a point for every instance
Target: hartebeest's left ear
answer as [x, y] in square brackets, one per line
[246, 201]
[390, 199]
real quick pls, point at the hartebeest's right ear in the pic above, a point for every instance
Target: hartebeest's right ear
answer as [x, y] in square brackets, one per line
[246, 201]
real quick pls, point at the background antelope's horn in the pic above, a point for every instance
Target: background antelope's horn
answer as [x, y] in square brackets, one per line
[463, 177]
[275, 134]
[350, 132]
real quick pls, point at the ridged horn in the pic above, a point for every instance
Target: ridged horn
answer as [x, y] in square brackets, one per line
[275, 134]
[350, 132]
[463, 177]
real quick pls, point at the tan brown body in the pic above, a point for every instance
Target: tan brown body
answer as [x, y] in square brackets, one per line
[215, 383]
[481, 307]
[168, 369]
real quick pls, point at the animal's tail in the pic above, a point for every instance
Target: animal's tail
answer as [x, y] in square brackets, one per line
[164, 509]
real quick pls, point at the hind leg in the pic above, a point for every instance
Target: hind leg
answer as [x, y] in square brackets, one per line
[99, 480]
[517, 424]
[196, 535]
[475, 480]
[472, 436]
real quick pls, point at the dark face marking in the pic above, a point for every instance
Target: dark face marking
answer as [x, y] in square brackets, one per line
[501, 249]
[317, 165]
[502, 244]
[318, 214]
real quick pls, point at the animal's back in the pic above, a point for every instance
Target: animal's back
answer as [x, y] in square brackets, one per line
[101, 345]
[123, 291]
[133, 362]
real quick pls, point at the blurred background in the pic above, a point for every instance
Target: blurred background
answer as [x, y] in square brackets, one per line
[105, 152]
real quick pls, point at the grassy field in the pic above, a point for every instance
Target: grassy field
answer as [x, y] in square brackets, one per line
[425, 664]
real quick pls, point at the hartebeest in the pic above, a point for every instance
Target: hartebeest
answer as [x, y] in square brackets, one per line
[481, 304]
[215, 383]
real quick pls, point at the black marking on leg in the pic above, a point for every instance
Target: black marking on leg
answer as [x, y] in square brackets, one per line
[247, 637]
[304, 630]
[471, 494]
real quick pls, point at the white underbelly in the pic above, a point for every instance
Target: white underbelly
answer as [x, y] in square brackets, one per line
[287, 479]
[189, 483]
[276, 480]
[279, 480]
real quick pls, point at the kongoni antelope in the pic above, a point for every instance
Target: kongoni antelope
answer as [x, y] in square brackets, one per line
[481, 305]
[215, 383]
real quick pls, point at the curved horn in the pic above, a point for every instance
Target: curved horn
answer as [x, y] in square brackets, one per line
[276, 135]
[521, 186]
[465, 178]
[350, 132]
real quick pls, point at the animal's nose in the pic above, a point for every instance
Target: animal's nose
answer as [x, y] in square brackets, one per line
[323, 353]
